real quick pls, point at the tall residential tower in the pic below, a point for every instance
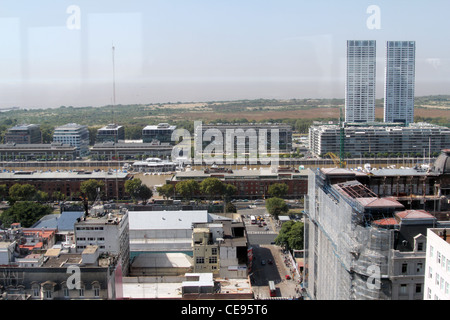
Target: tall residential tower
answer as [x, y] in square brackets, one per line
[361, 78]
[399, 81]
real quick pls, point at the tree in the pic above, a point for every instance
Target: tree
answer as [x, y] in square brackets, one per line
[211, 187]
[229, 190]
[22, 192]
[91, 188]
[145, 193]
[58, 196]
[166, 191]
[278, 190]
[137, 190]
[291, 235]
[276, 206]
[3, 191]
[26, 213]
[187, 188]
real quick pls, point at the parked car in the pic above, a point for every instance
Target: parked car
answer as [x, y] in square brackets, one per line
[263, 262]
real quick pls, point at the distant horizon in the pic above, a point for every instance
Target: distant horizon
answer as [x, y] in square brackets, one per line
[199, 102]
[60, 53]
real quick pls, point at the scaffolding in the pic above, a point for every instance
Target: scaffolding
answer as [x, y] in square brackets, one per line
[344, 248]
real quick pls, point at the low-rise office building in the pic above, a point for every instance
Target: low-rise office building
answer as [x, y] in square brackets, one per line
[24, 134]
[130, 150]
[110, 133]
[161, 132]
[75, 135]
[371, 139]
[242, 136]
[50, 151]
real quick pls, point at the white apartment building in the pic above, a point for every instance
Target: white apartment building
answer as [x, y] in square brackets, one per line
[399, 81]
[360, 81]
[110, 233]
[75, 135]
[437, 266]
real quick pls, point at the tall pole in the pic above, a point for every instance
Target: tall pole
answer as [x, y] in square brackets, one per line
[114, 104]
[114, 77]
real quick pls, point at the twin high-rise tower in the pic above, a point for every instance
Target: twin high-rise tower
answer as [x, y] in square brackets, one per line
[360, 89]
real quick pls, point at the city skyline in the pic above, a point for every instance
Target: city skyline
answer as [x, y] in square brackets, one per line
[169, 51]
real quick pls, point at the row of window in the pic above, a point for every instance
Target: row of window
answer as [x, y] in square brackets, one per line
[48, 293]
[90, 239]
[201, 260]
[440, 260]
[89, 228]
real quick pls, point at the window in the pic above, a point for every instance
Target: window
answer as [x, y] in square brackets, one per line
[214, 251]
[200, 260]
[403, 289]
[430, 273]
[420, 246]
[48, 294]
[212, 259]
[36, 290]
[431, 251]
[419, 267]
[66, 292]
[418, 288]
[404, 268]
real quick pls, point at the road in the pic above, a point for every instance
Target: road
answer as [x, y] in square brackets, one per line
[264, 249]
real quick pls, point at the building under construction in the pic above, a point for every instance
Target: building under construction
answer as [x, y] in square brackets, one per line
[365, 232]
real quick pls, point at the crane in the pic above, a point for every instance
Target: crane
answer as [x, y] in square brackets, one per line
[336, 160]
[339, 161]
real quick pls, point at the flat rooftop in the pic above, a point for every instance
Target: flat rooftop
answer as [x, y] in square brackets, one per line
[142, 288]
[51, 175]
[168, 220]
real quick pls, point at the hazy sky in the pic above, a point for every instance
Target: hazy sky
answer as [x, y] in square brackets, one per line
[57, 53]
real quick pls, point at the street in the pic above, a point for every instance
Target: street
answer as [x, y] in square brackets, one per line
[269, 262]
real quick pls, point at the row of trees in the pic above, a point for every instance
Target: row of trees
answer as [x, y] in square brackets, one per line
[28, 204]
[212, 188]
[291, 233]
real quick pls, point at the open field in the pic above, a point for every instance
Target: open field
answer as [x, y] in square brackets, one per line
[312, 113]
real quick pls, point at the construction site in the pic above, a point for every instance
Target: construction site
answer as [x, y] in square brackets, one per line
[360, 225]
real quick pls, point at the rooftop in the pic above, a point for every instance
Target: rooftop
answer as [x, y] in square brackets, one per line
[415, 214]
[162, 260]
[63, 222]
[51, 175]
[169, 220]
[444, 233]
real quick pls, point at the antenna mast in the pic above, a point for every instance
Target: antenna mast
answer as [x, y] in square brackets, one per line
[114, 77]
